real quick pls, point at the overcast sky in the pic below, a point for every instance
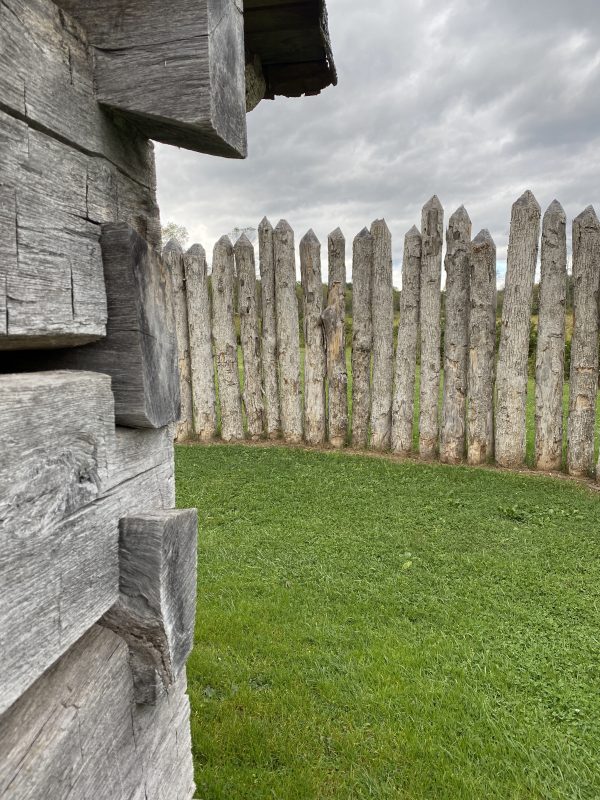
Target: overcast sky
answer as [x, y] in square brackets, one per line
[474, 100]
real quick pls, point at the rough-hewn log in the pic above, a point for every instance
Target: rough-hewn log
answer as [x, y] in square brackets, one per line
[225, 340]
[269, 329]
[139, 450]
[179, 76]
[513, 351]
[202, 368]
[383, 345]
[173, 258]
[314, 345]
[456, 338]
[584, 345]
[362, 336]
[156, 608]
[250, 338]
[77, 732]
[334, 323]
[482, 347]
[288, 348]
[550, 360]
[406, 351]
[432, 231]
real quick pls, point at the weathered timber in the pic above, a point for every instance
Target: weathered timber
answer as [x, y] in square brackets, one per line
[550, 359]
[156, 608]
[334, 323]
[77, 732]
[179, 76]
[225, 340]
[513, 350]
[382, 311]
[406, 351]
[269, 329]
[288, 348]
[314, 345]
[362, 335]
[482, 346]
[138, 450]
[584, 344]
[456, 338]
[250, 338]
[173, 260]
[202, 370]
[432, 232]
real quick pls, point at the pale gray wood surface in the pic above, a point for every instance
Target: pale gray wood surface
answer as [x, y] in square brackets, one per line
[314, 343]
[334, 322]
[382, 310]
[362, 335]
[266, 258]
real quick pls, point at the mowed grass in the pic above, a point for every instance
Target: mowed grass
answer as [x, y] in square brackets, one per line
[374, 629]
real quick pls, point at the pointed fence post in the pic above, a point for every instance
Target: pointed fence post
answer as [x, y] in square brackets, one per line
[201, 354]
[456, 338]
[482, 348]
[249, 336]
[406, 351]
[584, 345]
[314, 344]
[432, 232]
[334, 320]
[513, 351]
[288, 345]
[173, 255]
[225, 340]
[362, 336]
[383, 332]
[550, 359]
[269, 331]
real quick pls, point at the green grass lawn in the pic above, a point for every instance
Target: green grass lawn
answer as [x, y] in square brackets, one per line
[375, 629]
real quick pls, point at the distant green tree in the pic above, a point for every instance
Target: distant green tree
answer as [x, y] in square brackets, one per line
[174, 231]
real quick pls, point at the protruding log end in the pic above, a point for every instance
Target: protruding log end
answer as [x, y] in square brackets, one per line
[196, 251]
[527, 200]
[555, 209]
[310, 238]
[433, 204]
[243, 243]
[413, 233]
[336, 236]
[283, 226]
[224, 246]
[264, 225]
[379, 228]
[484, 239]
[364, 234]
[460, 217]
[587, 218]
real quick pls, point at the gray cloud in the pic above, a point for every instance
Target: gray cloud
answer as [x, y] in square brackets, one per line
[474, 100]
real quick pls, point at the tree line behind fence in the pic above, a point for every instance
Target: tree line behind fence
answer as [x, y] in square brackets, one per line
[468, 372]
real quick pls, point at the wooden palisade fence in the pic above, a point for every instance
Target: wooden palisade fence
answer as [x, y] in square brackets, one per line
[472, 392]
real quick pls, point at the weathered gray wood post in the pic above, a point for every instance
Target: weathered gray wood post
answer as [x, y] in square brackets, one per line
[334, 318]
[225, 340]
[266, 261]
[406, 351]
[513, 351]
[288, 346]
[432, 232]
[584, 345]
[383, 342]
[456, 338]
[173, 255]
[249, 336]
[482, 348]
[314, 344]
[550, 359]
[362, 336]
[201, 353]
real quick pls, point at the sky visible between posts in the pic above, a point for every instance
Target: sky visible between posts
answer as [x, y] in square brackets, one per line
[473, 100]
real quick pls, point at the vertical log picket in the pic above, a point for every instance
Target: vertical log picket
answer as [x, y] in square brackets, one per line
[269, 330]
[314, 345]
[406, 351]
[432, 232]
[456, 338]
[334, 320]
[383, 343]
[362, 336]
[201, 354]
[288, 347]
[225, 340]
[249, 336]
[550, 358]
[513, 351]
[584, 345]
[482, 346]
[173, 255]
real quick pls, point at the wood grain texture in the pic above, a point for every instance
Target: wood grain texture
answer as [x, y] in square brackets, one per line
[77, 732]
[383, 344]
[173, 258]
[362, 335]
[266, 260]
[406, 351]
[314, 342]
[334, 323]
